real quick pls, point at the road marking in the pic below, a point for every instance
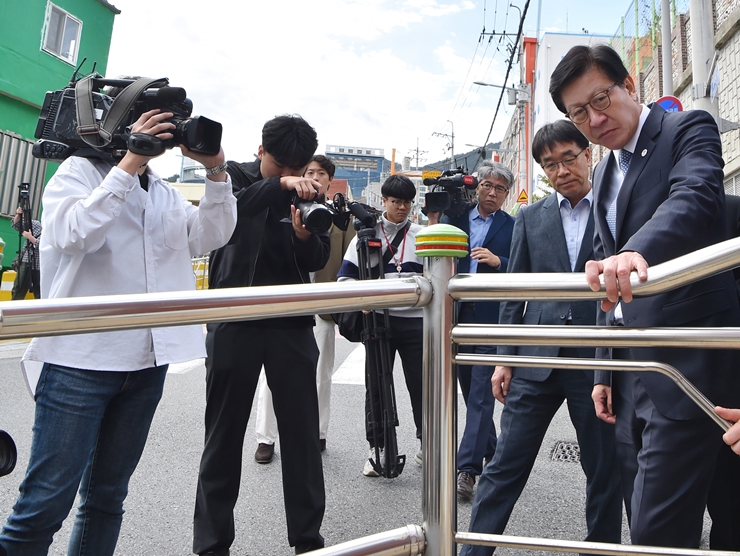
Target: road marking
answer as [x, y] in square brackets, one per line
[352, 370]
[187, 366]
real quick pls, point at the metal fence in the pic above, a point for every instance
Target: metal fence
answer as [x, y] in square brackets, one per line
[436, 292]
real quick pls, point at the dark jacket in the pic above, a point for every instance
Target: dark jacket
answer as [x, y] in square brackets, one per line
[263, 249]
[498, 242]
[539, 245]
[672, 202]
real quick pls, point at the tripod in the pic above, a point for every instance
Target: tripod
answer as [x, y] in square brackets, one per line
[382, 415]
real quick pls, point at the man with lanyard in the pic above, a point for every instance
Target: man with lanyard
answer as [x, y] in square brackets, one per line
[398, 236]
[490, 230]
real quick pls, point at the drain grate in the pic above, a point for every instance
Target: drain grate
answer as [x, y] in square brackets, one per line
[566, 451]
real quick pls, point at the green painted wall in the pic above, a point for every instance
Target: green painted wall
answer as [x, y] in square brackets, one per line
[27, 72]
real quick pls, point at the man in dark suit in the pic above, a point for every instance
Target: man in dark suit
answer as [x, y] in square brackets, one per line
[553, 235]
[489, 229]
[657, 195]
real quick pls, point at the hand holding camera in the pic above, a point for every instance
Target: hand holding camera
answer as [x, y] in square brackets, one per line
[152, 123]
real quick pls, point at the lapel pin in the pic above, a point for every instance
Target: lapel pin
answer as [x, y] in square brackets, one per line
[644, 152]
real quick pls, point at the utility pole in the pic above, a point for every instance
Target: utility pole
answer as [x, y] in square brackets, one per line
[417, 153]
[703, 56]
[451, 147]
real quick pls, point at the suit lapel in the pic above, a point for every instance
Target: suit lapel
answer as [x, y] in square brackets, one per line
[498, 221]
[640, 158]
[602, 181]
[553, 228]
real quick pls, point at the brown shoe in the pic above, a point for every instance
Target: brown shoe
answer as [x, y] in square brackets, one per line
[264, 453]
[465, 484]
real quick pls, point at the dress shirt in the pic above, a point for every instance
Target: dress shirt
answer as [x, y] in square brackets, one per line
[105, 235]
[574, 221]
[479, 227]
[618, 179]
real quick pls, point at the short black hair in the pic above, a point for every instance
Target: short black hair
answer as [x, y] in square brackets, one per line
[398, 186]
[580, 60]
[290, 140]
[560, 131]
[326, 163]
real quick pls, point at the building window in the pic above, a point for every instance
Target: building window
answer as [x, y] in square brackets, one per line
[351, 150]
[341, 150]
[62, 34]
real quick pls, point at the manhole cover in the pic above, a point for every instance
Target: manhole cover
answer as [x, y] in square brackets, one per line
[566, 451]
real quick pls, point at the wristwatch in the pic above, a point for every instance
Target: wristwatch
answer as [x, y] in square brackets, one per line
[217, 169]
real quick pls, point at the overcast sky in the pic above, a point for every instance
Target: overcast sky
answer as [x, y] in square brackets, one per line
[369, 73]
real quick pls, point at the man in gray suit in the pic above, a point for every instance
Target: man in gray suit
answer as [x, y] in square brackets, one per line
[553, 235]
[658, 195]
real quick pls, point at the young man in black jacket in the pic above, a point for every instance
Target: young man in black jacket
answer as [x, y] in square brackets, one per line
[270, 246]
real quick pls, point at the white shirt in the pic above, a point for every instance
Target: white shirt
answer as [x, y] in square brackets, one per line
[618, 179]
[105, 235]
[575, 220]
[406, 257]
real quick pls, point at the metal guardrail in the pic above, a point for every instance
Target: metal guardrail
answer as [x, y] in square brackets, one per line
[436, 292]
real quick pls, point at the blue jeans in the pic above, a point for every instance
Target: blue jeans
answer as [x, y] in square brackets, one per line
[89, 432]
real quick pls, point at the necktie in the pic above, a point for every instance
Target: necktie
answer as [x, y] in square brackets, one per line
[611, 215]
[624, 160]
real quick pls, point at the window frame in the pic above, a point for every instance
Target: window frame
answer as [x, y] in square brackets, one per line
[59, 40]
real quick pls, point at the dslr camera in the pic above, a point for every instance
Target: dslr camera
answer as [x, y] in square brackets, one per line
[81, 119]
[318, 215]
[450, 192]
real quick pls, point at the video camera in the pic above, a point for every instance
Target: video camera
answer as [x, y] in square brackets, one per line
[451, 192]
[318, 216]
[81, 120]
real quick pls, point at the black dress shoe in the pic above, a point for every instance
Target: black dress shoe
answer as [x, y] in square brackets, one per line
[218, 553]
[302, 548]
[465, 484]
[264, 453]
[322, 443]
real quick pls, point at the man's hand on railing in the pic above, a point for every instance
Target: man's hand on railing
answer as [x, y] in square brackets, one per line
[616, 272]
[732, 436]
[500, 383]
[602, 397]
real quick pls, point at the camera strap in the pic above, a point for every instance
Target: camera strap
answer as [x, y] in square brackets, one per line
[393, 247]
[97, 135]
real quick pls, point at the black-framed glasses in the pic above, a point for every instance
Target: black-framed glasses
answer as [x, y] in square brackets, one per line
[398, 203]
[487, 186]
[567, 162]
[599, 102]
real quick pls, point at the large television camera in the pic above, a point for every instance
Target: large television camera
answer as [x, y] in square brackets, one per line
[450, 192]
[318, 216]
[8, 453]
[81, 120]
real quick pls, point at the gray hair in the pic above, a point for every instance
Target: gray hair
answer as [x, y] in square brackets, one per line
[489, 168]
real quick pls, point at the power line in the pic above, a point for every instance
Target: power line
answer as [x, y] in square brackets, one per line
[506, 77]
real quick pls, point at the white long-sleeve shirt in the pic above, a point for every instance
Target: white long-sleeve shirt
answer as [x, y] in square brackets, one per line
[105, 235]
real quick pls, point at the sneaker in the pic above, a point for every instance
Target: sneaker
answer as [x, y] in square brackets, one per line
[264, 453]
[418, 456]
[465, 484]
[368, 470]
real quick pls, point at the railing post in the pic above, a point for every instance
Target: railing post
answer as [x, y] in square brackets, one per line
[439, 244]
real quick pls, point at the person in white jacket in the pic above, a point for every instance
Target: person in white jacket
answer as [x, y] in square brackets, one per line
[109, 229]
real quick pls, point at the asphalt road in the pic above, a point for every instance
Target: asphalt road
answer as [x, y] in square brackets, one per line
[159, 508]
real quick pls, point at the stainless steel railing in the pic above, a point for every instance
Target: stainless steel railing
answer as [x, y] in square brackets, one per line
[436, 292]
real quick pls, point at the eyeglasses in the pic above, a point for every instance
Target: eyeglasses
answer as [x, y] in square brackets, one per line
[599, 102]
[567, 162]
[487, 186]
[398, 203]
